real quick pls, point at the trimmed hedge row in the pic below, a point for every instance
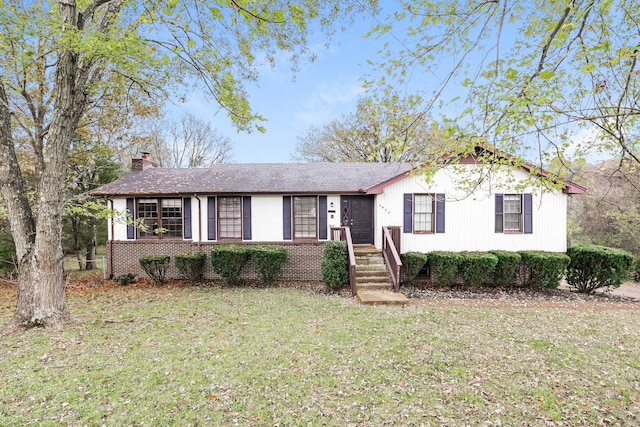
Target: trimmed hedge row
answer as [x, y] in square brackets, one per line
[269, 260]
[444, 266]
[477, 267]
[191, 266]
[506, 269]
[543, 269]
[538, 269]
[226, 260]
[586, 267]
[412, 264]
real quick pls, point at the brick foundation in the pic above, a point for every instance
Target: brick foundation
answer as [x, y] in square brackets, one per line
[303, 263]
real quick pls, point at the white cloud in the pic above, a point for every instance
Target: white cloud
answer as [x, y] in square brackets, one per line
[586, 143]
[328, 101]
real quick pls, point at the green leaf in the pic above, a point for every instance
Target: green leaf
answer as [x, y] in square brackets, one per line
[511, 73]
[546, 74]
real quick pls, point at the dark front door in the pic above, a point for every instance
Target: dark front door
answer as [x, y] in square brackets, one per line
[357, 213]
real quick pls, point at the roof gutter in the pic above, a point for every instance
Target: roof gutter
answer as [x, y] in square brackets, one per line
[109, 242]
[199, 221]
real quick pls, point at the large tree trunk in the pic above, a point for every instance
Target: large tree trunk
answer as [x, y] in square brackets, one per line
[41, 299]
[41, 274]
[37, 227]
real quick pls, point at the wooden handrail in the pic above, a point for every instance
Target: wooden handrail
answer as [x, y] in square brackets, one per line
[391, 257]
[344, 233]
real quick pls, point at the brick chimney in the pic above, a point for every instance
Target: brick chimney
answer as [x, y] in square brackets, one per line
[143, 163]
[136, 165]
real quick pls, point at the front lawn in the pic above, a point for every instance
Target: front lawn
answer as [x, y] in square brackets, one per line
[253, 357]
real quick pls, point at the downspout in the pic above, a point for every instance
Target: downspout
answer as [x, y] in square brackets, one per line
[199, 220]
[109, 242]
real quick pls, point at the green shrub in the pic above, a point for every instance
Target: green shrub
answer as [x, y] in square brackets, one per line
[477, 267]
[191, 266]
[593, 267]
[335, 264]
[505, 272]
[543, 269]
[444, 266]
[412, 263]
[228, 260]
[155, 267]
[124, 279]
[269, 260]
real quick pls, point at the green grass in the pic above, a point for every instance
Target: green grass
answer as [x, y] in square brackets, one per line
[252, 357]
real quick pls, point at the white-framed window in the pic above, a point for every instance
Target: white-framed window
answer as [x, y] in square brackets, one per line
[230, 217]
[162, 218]
[423, 217]
[305, 217]
[512, 210]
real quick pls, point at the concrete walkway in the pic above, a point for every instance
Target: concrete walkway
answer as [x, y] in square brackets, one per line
[382, 297]
[629, 291]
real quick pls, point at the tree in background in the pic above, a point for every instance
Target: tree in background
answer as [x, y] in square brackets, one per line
[392, 129]
[84, 218]
[60, 58]
[187, 143]
[8, 262]
[194, 143]
[609, 213]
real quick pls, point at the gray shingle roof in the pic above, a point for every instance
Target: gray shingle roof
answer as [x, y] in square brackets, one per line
[256, 178]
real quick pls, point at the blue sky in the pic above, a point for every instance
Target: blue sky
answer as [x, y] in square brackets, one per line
[322, 90]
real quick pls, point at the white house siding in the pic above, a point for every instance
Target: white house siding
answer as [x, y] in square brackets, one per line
[266, 218]
[118, 221]
[469, 217]
[196, 221]
[333, 214]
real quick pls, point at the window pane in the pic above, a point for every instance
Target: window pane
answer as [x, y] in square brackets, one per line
[512, 203]
[171, 217]
[423, 212]
[512, 222]
[304, 217]
[230, 217]
[148, 215]
[512, 212]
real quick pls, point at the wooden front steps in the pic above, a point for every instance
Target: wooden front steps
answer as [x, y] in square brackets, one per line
[373, 285]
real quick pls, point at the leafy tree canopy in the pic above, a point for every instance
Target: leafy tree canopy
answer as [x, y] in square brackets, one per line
[393, 129]
[533, 73]
[62, 61]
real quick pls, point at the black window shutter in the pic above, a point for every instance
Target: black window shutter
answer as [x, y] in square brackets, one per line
[246, 217]
[499, 213]
[322, 217]
[286, 217]
[186, 218]
[211, 218]
[131, 229]
[408, 213]
[528, 213]
[440, 213]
